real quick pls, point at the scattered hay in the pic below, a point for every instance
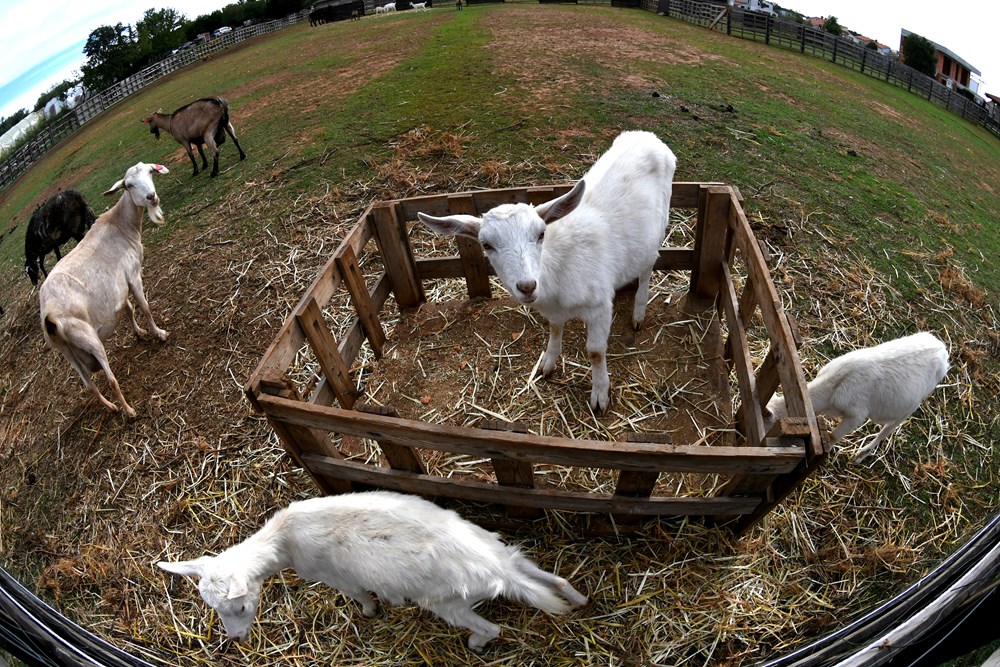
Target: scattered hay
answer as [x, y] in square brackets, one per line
[89, 501]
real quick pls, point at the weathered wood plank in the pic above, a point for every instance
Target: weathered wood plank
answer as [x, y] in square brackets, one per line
[536, 448]
[752, 425]
[397, 256]
[671, 259]
[300, 441]
[786, 356]
[635, 483]
[399, 456]
[324, 347]
[350, 344]
[282, 350]
[347, 262]
[475, 268]
[520, 474]
[706, 275]
[485, 492]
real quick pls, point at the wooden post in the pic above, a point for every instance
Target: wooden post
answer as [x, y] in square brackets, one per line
[635, 484]
[767, 29]
[509, 472]
[400, 457]
[397, 256]
[474, 264]
[324, 346]
[706, 275]
[299, 440]
[347, 263]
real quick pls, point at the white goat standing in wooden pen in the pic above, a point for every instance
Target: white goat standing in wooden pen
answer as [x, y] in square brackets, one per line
[83, 297]
[398, 546]
[885, 383]
[567, 257]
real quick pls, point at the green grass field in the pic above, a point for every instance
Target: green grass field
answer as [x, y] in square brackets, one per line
[880, 211]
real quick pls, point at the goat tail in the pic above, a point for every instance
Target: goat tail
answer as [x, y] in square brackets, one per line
[220, 129]
[528, 583]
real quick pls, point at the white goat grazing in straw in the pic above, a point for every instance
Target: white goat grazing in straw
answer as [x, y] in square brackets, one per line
[83, 297]
[885, 383]
[567, 257]
[400, 547]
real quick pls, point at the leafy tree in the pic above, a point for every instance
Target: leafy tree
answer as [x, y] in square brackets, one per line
[920, 54]
[157, 33]
[873, 45]
[832, 26]
[110, 52]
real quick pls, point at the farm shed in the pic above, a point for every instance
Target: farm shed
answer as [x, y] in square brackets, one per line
[322, 393]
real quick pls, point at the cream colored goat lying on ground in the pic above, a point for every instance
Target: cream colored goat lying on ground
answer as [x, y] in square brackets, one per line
[400, 547]
[83, 297]
[885, 383]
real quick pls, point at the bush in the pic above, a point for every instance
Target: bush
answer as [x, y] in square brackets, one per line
[920, 54]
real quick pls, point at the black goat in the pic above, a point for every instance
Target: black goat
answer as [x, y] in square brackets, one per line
[203, 122]
[64, 216]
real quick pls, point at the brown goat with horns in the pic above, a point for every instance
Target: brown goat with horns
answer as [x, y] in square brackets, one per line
[203, 122]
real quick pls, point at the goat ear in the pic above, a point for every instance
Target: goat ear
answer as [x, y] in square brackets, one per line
[551, 211]
[146, 120]
[115, 188]
[237, 587]
[188, 568]
[453, 225]
[159, 168]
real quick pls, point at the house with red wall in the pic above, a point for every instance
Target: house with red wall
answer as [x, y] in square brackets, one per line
[951, 69]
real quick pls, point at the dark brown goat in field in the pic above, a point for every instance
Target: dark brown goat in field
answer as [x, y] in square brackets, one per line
[204, 122]
[64, 216]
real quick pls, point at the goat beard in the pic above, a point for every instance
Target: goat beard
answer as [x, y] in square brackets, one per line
[155, 214]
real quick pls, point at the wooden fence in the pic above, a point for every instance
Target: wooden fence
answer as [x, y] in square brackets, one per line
[760, 468]
[763, 27]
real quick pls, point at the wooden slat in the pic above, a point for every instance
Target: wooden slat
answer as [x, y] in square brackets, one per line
[536, 448]
[397, 256]
[706, 275]
[485, 492]
[635, 483]
[539, 195]
[347, 262]
[671, 259]
[350, 344]
[785, 354]
[300, 441]
[324, 347]
[282, 350]
[475, 268]
[683, 195]
[520, 474]
[752, 425]
[399, 456]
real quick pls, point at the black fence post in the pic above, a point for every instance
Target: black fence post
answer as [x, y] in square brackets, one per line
[767, 29]
[836, 40]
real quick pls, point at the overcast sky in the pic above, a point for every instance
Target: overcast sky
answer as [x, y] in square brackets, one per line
[43, 41]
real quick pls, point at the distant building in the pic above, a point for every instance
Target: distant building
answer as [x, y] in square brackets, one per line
[951, 69]
[755, 6]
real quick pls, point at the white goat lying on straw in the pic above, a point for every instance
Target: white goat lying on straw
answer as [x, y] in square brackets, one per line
[83, 297]
[400, 547]
[567, 257]
[885, 383]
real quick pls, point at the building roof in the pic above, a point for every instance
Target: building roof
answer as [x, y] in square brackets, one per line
[904, 33]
